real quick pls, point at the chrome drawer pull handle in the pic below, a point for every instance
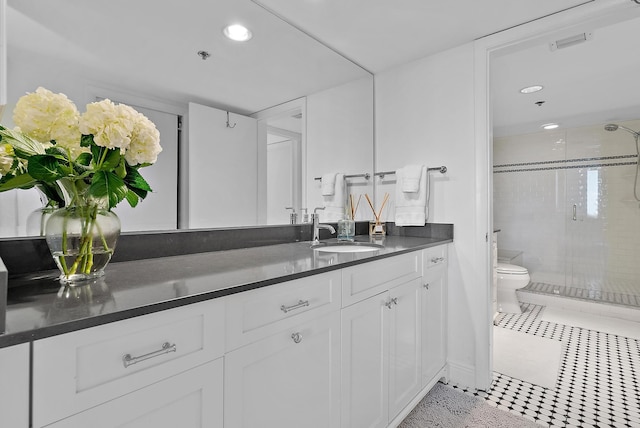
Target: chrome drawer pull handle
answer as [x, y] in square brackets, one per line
[297, 337]
[426, 286]
[128, 360]
[300, 304]
[437, 259]
[393, 301]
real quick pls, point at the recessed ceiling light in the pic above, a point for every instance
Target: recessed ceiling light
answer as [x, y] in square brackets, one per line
[237, 32]
[531, 89]
[550, 126]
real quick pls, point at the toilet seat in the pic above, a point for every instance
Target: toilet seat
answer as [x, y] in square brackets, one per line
[506, 268]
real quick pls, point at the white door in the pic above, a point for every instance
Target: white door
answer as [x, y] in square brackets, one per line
[288, 380]
[280, 158]
[365, 355]
[223, 163]
[433, 323]
[159, 210]
[192, 399]
[405, 345]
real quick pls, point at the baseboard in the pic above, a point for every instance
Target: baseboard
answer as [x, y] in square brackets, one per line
[462, 375]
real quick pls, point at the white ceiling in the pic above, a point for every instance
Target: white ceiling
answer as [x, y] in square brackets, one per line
[152, 49]
[379, 34]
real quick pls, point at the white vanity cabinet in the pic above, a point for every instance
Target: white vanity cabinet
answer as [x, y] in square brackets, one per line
[434, 322]
[147, 362]
[282, 368]
[381, 340]
[14, 386]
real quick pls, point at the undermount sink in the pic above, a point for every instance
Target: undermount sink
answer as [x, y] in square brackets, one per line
[346, 247]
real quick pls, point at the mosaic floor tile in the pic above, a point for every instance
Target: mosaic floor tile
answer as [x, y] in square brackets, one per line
[598, 384]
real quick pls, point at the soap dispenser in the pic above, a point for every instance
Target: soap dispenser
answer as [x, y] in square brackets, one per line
[305, 215]
[293, 217]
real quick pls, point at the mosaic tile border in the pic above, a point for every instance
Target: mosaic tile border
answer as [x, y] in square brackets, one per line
[565, 161]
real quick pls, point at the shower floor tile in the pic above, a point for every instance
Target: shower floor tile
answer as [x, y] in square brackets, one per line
[615, 295]
[598, 384]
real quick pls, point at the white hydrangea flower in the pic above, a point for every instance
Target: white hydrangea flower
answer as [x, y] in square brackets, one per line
[6, 159]
[111, 125]
[45, 116]
[145, 142]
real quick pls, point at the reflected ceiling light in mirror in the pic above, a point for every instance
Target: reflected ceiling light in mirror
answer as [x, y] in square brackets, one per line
[237, 32]
[550, 126]
[531, 89]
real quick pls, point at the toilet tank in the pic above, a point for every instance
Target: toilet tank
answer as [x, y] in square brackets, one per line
[512, 257]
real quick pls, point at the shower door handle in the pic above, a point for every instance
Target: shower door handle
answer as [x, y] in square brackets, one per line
[575, 212]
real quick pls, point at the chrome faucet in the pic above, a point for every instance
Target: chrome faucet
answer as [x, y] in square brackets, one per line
[317, 226]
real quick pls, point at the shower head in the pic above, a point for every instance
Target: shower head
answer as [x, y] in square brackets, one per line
[614, 127]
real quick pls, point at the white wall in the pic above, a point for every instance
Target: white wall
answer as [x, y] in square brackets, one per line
[339, 136]
[425, 114]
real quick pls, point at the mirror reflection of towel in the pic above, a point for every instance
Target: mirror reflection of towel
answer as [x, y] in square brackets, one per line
[328, 182]
[335, 203]
[411, 206]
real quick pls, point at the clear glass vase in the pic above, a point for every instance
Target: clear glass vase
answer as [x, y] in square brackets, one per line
[82, 239]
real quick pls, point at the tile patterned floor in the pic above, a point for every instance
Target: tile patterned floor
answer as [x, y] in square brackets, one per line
[598, 384]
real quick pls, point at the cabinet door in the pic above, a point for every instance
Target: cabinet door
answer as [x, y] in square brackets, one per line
[192, 399]
[290, 379]
[405, 345]
[433, 323]
[14, 386]
[365, 357]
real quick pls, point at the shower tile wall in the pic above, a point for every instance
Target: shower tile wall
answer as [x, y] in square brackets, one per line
[537, 181]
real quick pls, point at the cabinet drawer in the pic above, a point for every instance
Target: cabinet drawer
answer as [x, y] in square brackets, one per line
[259, 313]
[434, 257]
[78, 370]
[192, 399]
[363, 281]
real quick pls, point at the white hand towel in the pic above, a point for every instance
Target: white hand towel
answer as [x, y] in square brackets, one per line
[411, 206]
[328, 184]
[411, 178]
[334, 204]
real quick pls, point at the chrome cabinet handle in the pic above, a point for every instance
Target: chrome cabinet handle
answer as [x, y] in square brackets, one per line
[437, 259]
[575, 212]
[426, 285]
[297, 337]
[300, 304]
[393, 301]
[128, 360]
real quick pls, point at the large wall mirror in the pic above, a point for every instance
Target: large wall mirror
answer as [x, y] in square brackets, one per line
[246, 127]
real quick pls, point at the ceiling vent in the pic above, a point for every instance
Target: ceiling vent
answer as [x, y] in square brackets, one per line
[570, 41]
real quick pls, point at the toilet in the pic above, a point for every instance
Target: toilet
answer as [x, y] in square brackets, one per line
[510, 278]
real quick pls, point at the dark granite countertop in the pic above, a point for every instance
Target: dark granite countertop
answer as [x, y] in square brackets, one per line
[38, 307]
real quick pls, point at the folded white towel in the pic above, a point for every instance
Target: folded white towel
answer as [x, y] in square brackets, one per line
[335, 203]
[411, 206]
[411, 178]
[328, 184]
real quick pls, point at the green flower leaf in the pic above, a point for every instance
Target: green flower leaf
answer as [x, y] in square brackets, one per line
[121, 169]
[84, 159]
[44, 168]
[86, 140]
[108, 184]
[22, 181]
[132, 198]
[111, 160]
[136, 183]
